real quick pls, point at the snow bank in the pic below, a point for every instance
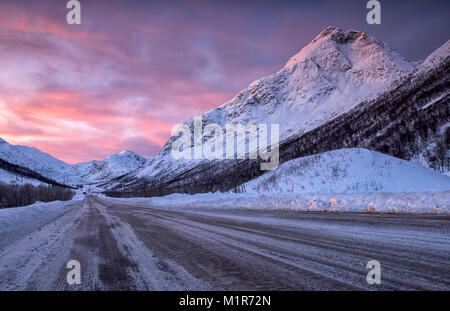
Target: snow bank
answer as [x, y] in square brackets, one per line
[20, 221]
[411, 202]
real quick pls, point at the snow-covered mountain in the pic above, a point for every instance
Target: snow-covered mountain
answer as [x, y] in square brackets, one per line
[331, 75]
[64, 173]
[40, 162]
[113, 166]
[349, 171]
[334, 73]
[343, 90]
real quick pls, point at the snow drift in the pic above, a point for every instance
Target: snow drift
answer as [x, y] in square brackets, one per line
[349, 171]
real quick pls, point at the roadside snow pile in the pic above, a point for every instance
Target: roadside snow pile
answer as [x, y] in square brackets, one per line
[411, 202]
[349, 171]
[20, 221]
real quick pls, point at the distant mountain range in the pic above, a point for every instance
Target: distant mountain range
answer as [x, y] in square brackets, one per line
[113, 166]
[55, 170]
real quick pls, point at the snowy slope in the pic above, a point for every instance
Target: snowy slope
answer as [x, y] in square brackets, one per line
[50, 167]
[349, 171]
[10, 178]
[113, 166]
[39, 162]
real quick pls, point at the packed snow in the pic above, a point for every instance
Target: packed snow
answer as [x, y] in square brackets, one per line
[17, 222]
[38, 161]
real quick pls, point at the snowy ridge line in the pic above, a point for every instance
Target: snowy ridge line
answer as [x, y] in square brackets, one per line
[334, 73]
[112, 167]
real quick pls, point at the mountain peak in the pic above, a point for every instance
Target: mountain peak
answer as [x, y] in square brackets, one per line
[333, 41]
[126, 152]
[329, 32]
[113, 166]
[2, 141]
[337, 35]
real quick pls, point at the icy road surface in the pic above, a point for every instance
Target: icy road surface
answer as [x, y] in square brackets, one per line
[121, 246]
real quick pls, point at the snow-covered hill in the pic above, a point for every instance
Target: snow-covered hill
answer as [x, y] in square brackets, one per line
[57, 170]
[349, 171]
[113, 166]
[40, 162]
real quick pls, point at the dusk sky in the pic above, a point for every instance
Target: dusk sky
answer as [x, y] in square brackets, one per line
[132, 69]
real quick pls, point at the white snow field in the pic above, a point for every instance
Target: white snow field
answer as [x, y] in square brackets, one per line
[349, 171]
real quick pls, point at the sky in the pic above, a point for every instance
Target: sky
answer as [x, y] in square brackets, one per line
[132, 69]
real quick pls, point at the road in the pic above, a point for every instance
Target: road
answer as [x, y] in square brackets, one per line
[122, 246]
